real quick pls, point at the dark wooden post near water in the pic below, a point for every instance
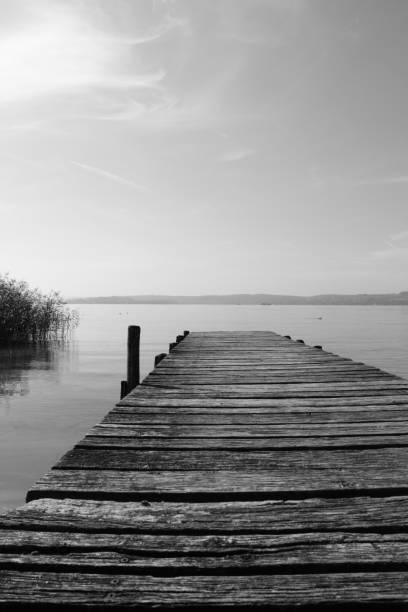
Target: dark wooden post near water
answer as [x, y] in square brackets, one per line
[159, 358]
[133, 361]
[133, 357]
[172, 345]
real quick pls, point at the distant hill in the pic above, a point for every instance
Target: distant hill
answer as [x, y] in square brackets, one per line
[249, 298]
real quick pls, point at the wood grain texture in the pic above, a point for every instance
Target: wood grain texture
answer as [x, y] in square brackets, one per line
[146, 551]
[188, 554]
[377, 419]
[219, 549]
[221, 484]
[302, 388]
[357, 513]
[167, 400]
[178, 366]
[254, 378]
[150, 592]
[351, 460]
[239, 443]
[247, 470]
[278, 391]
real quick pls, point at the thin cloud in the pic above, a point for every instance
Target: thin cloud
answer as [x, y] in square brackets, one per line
[396, 248]
[325, 181]
[385, 180]
[236, 154]
[111, 176]
[400, 236]
[59, 50]
[25, 126]
[391, 253]
[141, 81]
[155, 108]
[167, 25]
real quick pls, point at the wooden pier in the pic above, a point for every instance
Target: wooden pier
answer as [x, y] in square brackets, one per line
[248, 470]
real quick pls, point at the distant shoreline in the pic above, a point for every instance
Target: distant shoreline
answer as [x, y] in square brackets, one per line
[385, 299]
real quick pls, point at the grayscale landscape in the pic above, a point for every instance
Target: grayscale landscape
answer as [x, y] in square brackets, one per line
[204, 305]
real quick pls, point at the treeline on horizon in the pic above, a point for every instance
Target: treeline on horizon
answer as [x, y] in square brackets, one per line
[390, 299]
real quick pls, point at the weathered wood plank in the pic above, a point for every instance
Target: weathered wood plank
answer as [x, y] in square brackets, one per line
[389, 387]
[278, 368]
[259, 425]
[201, 351]
[210, 592]
[255, 353]
[313, 514]
[165, 398]
[153, 413]
[271, 443]
[253, 361]
[282, 391]
[187, 373]
[221, 484]
[312, 418]
[194, 343]
[387, 459]
[247, 347]
[276, 546]
[386, 384]
[143, 553]
[252, 378]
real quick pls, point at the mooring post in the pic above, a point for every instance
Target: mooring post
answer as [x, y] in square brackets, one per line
[133, 357]
[159, 358]
[123, 388]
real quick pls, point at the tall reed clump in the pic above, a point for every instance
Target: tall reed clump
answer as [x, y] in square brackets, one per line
[29, 315]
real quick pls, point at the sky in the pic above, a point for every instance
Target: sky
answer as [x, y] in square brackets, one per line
[204, 146]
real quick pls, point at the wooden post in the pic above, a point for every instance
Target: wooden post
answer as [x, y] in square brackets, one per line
[159, 358]
[123, 388]
[133, 357]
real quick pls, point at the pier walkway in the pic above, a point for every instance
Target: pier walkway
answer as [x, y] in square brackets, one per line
[247, 470]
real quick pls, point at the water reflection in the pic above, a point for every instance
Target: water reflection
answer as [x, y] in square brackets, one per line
[51, 394]
[17, 360]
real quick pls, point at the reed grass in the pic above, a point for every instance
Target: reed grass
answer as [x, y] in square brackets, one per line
[28, 315]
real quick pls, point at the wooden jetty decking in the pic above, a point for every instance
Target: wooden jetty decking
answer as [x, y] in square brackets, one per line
[247, 470]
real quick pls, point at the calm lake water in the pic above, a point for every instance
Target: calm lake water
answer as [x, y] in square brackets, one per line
[51, 396]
